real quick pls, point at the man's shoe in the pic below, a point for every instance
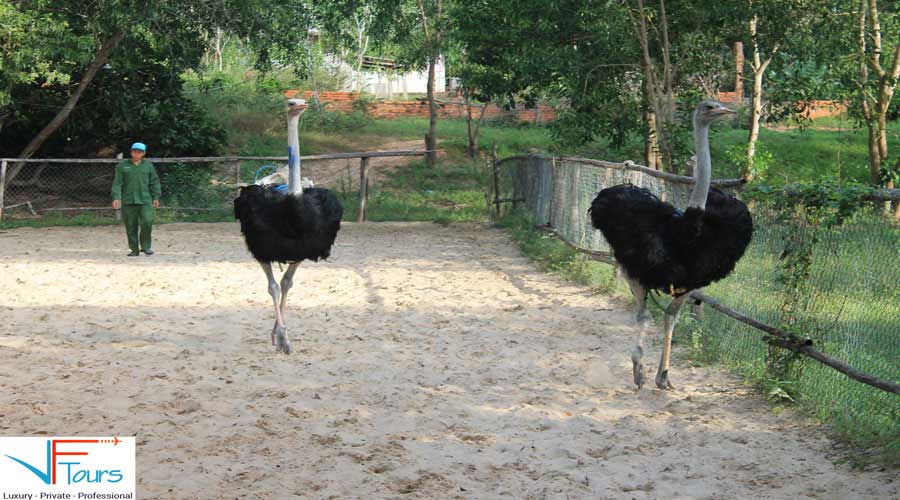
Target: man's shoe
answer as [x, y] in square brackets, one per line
[148, 252]
[134, 254]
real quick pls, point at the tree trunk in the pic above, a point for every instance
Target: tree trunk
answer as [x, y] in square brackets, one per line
[473, 130]
[739, 71]
[755, 113]
[431, 142]
[472, 150]
[759, 70]
[99, 60]
[651, 140]
[875, 108]
[433, 47]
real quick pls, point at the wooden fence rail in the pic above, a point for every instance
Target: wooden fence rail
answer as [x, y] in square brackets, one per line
[232, 161]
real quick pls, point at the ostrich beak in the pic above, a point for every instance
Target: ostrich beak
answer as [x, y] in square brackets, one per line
[297, 104]
[723, 111]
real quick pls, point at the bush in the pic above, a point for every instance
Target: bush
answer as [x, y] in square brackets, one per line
[191, 185]
[332, 121]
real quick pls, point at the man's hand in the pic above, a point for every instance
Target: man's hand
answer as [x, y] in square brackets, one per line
[117, 204]
[155, 203]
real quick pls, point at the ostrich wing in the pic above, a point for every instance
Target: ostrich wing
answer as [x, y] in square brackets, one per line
[635, 223]
[708, 243]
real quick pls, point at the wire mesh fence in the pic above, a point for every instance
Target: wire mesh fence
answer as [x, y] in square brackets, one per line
[848, 304]
[39, 188]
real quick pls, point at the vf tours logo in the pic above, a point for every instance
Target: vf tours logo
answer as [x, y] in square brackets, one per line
[67, 468]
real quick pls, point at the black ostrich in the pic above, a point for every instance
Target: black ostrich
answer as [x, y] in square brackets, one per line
[287, 227]
[660, 248]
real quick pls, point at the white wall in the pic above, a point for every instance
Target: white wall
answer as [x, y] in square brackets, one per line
[393, 86]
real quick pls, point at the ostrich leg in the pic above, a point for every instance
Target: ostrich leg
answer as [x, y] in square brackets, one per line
[662, 373]
[278, 331]
[287, 281]
[642, 319]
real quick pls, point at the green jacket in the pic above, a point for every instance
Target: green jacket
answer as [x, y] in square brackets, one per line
[136, 184]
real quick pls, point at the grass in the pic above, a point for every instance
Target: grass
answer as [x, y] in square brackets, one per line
[452, 191]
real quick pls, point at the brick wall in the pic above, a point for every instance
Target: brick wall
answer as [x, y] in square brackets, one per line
[343, 101]
[815, 109]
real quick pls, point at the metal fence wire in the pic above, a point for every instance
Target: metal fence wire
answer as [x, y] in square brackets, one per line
[38, 188]
[52, 188]
[849, 306]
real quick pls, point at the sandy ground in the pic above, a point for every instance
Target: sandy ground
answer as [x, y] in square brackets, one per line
[432, 362]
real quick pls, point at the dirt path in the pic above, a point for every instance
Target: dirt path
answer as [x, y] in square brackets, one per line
[433, 362]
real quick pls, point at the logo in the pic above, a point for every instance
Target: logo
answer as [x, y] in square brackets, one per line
[91, 467]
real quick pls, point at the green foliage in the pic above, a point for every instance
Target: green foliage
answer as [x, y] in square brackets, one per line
[763, 160]
[332, 121]
[828, 201]
[27, 44]
[890, 174]
[777, 391]
[192, 185]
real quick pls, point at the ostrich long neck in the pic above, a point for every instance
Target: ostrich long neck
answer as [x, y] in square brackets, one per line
[294, 186]
[703, 169]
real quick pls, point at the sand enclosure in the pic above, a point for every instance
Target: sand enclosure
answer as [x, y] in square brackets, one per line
[432, 362]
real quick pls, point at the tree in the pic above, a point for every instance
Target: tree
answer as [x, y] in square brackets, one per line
[879, 71]
[89, 34]
[433, 27]
[775, 26]
[25, 54]
[414, 31]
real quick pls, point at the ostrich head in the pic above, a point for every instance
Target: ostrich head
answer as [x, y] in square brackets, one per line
[708, 112]
[296, 107]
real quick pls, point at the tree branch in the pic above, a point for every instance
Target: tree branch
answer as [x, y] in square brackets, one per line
[801, 346]
[421, 5]
[99, 60]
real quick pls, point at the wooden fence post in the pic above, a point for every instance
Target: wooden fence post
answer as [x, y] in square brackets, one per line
[489, 196]
[236, 166]
[363, 189]
[698, 311]
[495, 167]
[2, 186]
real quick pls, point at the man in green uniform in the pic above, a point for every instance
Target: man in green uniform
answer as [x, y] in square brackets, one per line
[136, 190]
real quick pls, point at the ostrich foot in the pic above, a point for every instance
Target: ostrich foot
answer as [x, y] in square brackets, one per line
[274, 330]
[637, 368]
[282, 344]
[662, 380]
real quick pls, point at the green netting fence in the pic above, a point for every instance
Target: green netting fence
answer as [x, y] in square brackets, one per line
[849, 305]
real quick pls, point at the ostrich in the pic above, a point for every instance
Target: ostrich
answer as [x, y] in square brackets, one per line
[661, 248]
[287, 227]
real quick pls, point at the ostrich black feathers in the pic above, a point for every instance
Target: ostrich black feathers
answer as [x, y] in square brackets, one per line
[665, 249]
[280, 227]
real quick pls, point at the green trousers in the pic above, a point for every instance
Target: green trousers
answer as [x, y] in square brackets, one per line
[138, 226]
